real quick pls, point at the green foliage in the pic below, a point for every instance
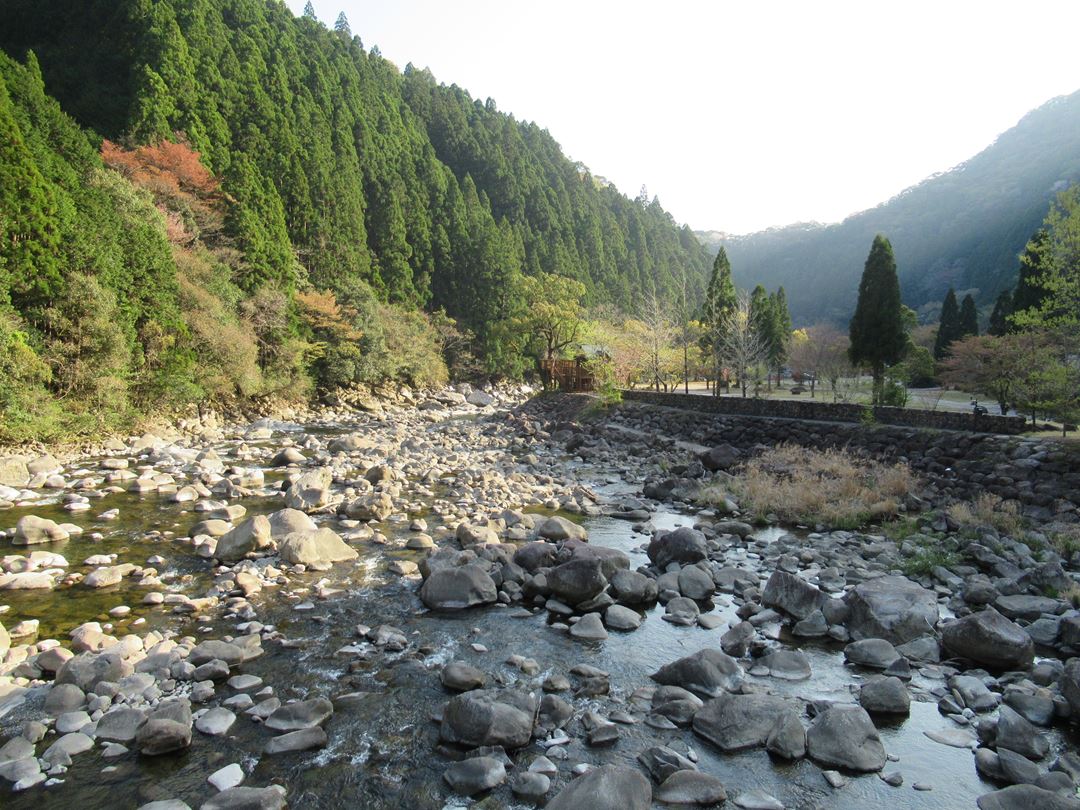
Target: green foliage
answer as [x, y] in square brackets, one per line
[999, 318]
[877, 331]
[949, 329]
[894, 393]
[918, 369]
[969, 318]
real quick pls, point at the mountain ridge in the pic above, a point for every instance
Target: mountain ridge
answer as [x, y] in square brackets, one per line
[963, 227]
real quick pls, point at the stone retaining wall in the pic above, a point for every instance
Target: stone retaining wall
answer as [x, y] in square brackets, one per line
[832, 412]
[1042, 474]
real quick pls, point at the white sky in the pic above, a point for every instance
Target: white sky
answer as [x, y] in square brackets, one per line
[744, 115]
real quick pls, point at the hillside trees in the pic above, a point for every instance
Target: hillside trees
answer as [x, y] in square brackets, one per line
[948, 325]
[877, 334]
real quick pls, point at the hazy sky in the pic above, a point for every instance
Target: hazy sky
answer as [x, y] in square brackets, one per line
[743, 115]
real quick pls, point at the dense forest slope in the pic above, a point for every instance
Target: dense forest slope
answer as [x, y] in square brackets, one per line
[333, 195]
[963, 228]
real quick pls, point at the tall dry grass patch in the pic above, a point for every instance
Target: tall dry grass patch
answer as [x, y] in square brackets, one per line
[831, 487]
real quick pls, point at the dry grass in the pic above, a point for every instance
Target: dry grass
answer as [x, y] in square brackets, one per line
[830, 487]
[988, 510]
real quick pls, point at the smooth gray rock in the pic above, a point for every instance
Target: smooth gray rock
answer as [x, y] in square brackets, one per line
[844, 736]
[885, 696]
[990, 639]
[691, 787]
[489, 717]
[475, 775]
[459, 587]
[791, 594]
[301, 740]
[737, 722]
[893, 608]
[707, 673]
[300, 715]
[605, 788]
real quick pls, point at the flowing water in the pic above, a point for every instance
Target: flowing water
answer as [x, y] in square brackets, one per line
[381, 752]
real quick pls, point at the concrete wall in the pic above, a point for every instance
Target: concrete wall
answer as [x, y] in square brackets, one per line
[812, 410]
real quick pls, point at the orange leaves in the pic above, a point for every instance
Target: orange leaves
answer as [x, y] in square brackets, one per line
[167, 166]
[322, 312]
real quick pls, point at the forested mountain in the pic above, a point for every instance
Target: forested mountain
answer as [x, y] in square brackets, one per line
[963, 228]
[320, 167]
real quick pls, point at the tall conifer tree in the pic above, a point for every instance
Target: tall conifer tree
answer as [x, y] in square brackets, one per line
[878, 338]
[948, 325]
[969, 318]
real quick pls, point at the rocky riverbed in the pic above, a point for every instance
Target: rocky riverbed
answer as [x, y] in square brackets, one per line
[467, 600]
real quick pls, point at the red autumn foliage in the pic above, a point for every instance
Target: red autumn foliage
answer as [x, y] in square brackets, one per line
[182, 187]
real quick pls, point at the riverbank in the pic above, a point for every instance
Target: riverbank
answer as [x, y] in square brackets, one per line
[401, 608]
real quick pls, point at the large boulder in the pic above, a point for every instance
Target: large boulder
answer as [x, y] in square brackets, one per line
[558, 528]
[247, 798]
[737, 722]
[300, 715]
[457, 587]
[289, 521]
[252, 535]
[605, 788]
[31, 530]
[1026, 797]
[310, 491]
[707, 673]
[87, 670]
[167, 729]
[893, 608]
[989, 639]
[490, 717]
[844, 736]
[684, 546]
[791, 594]
[13, 472]
[633, 588]
[534, 556]
[1070, 685]
[721, 457]
[373, 506]
[319, 550]
[577, 581]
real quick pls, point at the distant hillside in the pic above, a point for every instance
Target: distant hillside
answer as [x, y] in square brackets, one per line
[962, 228]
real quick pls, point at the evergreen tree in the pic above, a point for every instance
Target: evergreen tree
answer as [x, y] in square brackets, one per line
[877, 334]
[341, 25]
[309, 10]
[1030, 292]
[969, 318]
[949, 329]
[999, 318]
[720, 300]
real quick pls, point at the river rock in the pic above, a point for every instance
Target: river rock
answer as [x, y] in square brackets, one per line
[317, 551]
[373, 506]
[893, 608]
[791, 594]
[216, 721]
[990, 639]
[618, 617]
[290, 521]
[311, 491]
[661, 762]
[1026, 797]
[885, 696]
[873, 653]
[215, 649]
[489, 717]
[473, 534]
[684, 546]
[633, 588]
[458, 587]
[608, 787]
[788, 665]
[300, 715]
[252, 535]
[167, 729]
[737, 722]
[461, 677]
[31, 530]
[589, 628]
[120, 724]
[247, 798]
[303, 739]
[475, 775]
[577, 581]
[707, 673]
[691, 787]
[86, 670]
[557, 528]
[1017, 734]
[844, 736]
